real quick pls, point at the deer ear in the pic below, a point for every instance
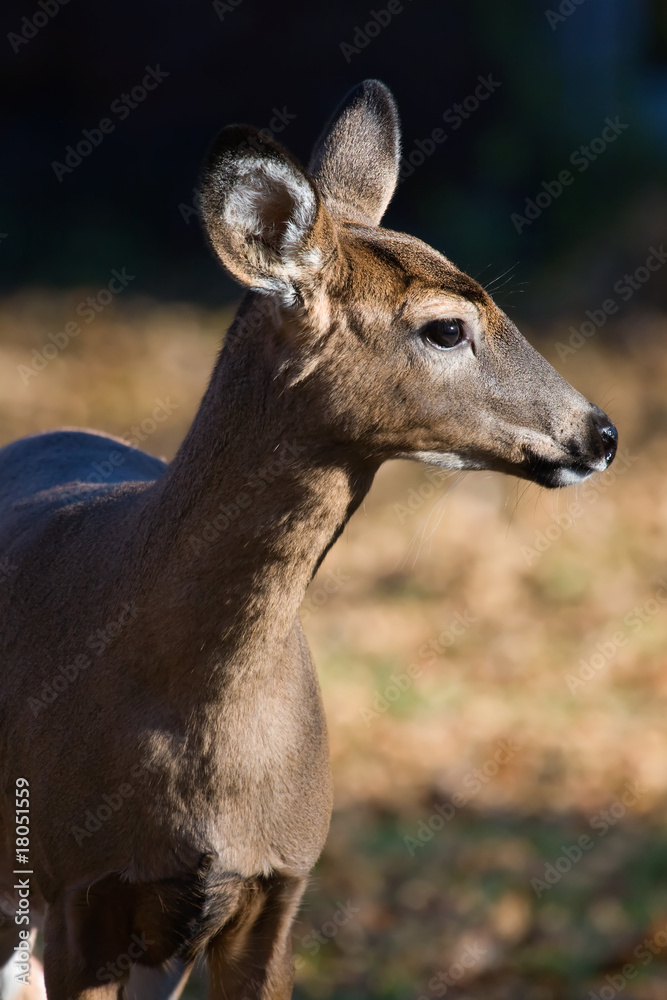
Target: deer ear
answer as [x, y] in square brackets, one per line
[355, 161]
[258, 208]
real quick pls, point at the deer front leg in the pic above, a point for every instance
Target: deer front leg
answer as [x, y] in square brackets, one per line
[251, 958]
[164, 983]
[10, 989]
[63, 979]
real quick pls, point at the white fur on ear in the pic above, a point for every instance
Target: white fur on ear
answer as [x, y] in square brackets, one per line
[259, 208]
[270, 202]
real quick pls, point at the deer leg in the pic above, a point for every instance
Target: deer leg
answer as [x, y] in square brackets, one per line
[167, 982]
[10, 987]
[67, 977]
[115, 939]
[12, 963]
[251, 958]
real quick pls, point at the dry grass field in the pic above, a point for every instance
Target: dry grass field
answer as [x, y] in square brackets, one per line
[493, 661]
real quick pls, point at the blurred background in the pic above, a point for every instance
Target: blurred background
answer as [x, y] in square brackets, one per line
[492, 656]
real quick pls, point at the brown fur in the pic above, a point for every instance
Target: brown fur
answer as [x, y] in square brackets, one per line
[203, 698]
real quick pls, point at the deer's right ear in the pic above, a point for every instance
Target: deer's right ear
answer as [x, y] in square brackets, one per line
[259, 208]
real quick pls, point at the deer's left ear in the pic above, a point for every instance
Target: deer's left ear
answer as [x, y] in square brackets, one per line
[259, 209]
[356, 159]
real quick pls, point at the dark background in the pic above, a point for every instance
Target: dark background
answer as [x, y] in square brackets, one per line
[124, 205]
[545, 585]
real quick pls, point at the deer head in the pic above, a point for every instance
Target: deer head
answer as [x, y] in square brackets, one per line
[387, 349]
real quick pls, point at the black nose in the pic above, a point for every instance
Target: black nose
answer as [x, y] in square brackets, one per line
[609, 436]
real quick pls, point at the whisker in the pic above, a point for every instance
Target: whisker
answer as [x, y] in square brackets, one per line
[479, 273]
[521, 492]
[493, 284]
[442, 513]
[419, 536]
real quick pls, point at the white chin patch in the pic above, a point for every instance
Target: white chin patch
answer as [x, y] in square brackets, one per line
[568, 477]
[443, 459]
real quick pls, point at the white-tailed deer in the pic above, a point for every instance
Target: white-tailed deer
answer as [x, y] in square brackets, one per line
[156, 688]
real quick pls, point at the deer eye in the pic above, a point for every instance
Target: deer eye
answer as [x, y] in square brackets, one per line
[443, 333]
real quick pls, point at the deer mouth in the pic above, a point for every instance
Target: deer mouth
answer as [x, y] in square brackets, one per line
[551, 474]
[567, 471]
[591, 451]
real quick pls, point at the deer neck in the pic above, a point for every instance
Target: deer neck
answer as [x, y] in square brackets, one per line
[248, 509]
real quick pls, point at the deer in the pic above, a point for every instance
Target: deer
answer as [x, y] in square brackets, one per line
[157, 695]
